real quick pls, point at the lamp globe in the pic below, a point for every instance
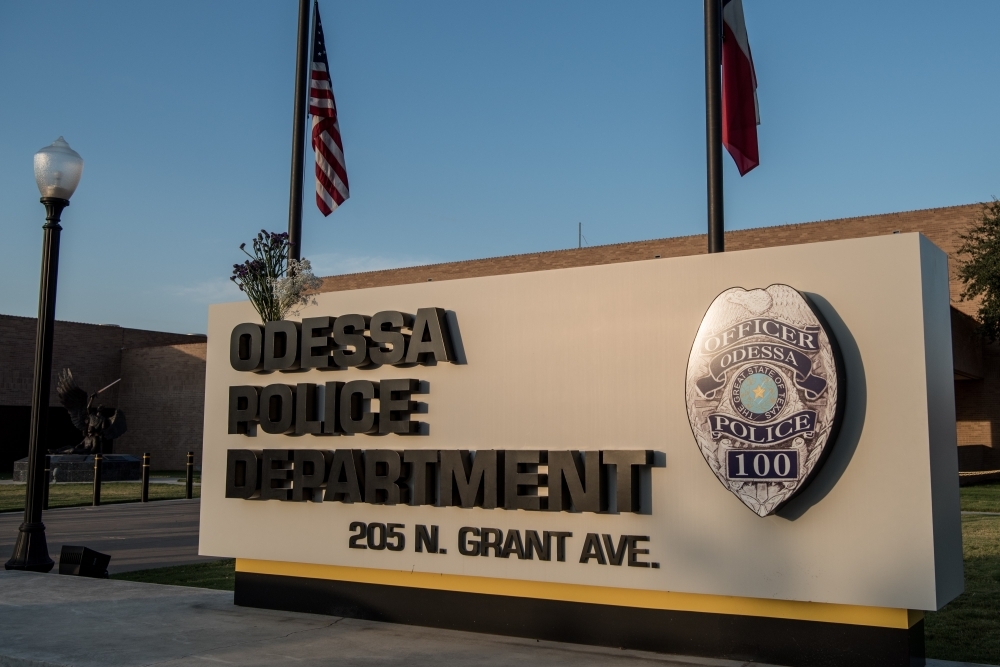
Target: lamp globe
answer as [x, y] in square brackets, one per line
[57, 170]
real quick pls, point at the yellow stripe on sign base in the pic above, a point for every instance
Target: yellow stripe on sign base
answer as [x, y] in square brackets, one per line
[883, 617]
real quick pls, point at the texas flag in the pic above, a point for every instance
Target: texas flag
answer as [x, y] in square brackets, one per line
[740, 115]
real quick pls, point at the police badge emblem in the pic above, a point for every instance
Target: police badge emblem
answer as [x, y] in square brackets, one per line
[764, 393]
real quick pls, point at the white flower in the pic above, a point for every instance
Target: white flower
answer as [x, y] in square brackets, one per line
[291, 292]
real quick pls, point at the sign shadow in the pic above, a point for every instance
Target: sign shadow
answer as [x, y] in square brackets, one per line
[842, 449]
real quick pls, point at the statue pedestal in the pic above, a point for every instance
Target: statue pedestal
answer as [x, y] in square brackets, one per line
[80, 468]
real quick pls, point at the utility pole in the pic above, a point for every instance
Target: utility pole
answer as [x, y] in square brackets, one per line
[579, 235]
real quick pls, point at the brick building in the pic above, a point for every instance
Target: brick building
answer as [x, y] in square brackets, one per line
[172, 365]
[162, 388]
[977, 366]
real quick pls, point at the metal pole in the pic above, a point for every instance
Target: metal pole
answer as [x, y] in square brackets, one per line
[98, 460]
[48, 480]
[713, 122]
[190, 474]
[299, 134]
[144, 494]
[30, 551]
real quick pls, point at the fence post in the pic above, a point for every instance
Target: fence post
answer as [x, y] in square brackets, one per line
[190, 474]
[145, 478]
[98, 460]
[48, 475]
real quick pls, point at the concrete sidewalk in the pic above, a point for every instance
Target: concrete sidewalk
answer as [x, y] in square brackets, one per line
[138, 536]
[48, 620]
[51, 620]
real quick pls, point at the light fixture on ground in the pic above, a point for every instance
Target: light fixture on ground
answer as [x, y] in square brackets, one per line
[57, 172]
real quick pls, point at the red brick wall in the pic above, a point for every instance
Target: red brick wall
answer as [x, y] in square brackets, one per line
[163, 397]
[91, 351]
[977, 403]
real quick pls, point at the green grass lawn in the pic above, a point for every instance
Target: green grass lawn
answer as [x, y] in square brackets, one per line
[75, 494]
[178, 475]
[968, 628]
[981, 498]
[219, 575]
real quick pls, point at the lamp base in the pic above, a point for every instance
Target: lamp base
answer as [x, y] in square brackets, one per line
[31, 553]
[53, 209]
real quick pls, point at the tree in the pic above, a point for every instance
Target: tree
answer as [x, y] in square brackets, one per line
[980, 268]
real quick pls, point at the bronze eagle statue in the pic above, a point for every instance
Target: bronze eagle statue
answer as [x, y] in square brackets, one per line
[99, 425]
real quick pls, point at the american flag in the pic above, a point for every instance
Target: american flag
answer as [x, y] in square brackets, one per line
[331, 170]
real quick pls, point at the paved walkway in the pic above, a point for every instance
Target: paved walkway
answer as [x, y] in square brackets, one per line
[136, 535]
[51, 620]
[55, 620]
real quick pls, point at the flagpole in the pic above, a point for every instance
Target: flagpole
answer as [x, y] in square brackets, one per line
[299, 134]
[713, 123]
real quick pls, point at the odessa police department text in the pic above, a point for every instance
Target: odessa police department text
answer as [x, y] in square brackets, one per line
[594, 481]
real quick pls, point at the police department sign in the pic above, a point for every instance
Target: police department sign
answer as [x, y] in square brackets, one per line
[764, 393]
[511, 454]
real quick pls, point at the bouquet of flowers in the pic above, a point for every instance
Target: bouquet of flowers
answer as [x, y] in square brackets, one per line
[275, 285]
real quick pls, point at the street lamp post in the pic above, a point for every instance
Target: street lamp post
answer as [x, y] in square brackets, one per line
[57, 172]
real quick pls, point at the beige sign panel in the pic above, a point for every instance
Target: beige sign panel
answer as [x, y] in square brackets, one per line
[595, 359]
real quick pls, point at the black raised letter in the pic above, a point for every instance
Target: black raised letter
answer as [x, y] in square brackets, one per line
[532, 544]
[628, 464]
[492, 538]
[615, 556]
[390, 341]
[344, 483]
[422, 464]
[331, 408]
[574, 481]
[245, 346]
[468, 481]
[356, 414]
[592, 549]
[423, 538]
[305, 410]
[277, 408]
[316, 342]
[242, 473]
[242, 408]
[308, 473]
[281, 345]
[431, 338]
[395, 406]
[634, 553]
[513, 545]
[349, 331]
[528, 479]
[275, 474]
[382, 469]
[465, 546]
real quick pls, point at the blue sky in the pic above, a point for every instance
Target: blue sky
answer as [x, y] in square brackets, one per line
[471, 129]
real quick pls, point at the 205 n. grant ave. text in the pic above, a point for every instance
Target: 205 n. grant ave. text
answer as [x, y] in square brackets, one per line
[523, 545]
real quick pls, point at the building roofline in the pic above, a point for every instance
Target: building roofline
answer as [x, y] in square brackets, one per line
[111, 326]
[654, 240]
